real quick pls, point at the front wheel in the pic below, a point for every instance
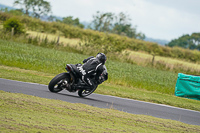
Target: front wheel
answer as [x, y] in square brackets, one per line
[58, 83]
[84, 93]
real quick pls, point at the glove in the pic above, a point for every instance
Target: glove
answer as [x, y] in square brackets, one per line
[101, 80]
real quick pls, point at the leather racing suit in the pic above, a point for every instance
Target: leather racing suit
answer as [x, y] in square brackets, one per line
[92, 66]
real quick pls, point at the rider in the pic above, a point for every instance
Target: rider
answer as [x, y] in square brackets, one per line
[92, 66]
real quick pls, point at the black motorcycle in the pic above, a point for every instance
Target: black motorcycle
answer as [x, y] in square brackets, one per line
[66, 81]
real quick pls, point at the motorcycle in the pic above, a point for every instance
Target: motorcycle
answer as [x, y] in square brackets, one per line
[71, 78]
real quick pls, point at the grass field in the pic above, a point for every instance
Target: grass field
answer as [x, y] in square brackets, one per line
[24, 113]
[139, 58]
[52, 37]
[173, 61]
[36, 64]
[54, 61]
[133, 57]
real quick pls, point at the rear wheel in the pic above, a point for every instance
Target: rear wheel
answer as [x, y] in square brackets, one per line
[84, 93]
[59, 82]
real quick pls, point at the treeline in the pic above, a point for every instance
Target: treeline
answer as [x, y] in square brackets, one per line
[104, 42]
[187, 41]
[115, 23]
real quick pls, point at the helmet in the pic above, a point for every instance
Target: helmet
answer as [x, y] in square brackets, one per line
[101, 57]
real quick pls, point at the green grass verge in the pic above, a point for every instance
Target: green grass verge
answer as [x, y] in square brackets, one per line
[24, 113]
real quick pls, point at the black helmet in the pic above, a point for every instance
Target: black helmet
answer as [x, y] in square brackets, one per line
[101, 57]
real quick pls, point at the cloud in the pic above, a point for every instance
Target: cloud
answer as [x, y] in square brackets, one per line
[184, 6]
[159, 20]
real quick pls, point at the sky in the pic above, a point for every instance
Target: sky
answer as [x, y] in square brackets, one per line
[158, 19]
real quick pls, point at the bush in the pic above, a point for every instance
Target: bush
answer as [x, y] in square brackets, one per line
[4, 16]
[13, 23]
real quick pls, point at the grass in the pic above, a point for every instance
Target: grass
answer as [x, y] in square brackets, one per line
[24, 113]
[164, 63]
[139, 58]
[136, 56]
[144, 56]
[52, 37]
[133, 57]
[37, 64]
[53, 61]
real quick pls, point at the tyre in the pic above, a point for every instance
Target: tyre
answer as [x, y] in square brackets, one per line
[58, 83]
[84, 93]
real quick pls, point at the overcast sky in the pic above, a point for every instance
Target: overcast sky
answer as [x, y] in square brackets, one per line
[159, 19]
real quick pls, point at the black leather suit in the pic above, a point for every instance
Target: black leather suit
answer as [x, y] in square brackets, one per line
[90, 67]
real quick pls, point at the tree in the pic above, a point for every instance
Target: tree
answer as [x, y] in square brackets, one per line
[25, 4]
[103, 21]
[70, 21]
[41, 7]
[123, 26]
[38, 7]
[187, 41]
[118, 24]
[13, 23]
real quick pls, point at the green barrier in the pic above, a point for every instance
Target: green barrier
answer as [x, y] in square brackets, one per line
[188, 86]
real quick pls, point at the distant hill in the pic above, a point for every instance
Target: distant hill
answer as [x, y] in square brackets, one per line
[159, 41]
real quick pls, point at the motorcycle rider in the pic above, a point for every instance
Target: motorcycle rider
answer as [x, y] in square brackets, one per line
[91, 66]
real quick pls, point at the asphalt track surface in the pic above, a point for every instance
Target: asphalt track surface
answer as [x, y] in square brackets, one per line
[103, 101]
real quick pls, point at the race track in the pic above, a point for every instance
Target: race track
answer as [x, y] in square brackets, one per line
[103, 101]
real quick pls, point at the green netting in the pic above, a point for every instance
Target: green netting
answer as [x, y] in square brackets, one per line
[188, 86]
